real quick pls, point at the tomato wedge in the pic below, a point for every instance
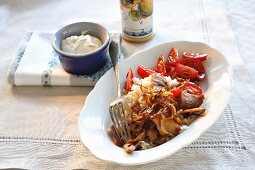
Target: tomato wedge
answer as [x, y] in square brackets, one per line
[176, 91]
[170, 71]
[198, 56]
[160, 67]
[129, 79]
[144, 72]
[186, 71]
[193, 88]
[194, 63]
[172, 58]
[190, 87]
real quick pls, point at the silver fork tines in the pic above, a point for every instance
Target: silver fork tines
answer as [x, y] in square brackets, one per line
[119, 120]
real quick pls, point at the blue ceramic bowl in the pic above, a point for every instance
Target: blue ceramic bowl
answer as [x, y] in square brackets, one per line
[82, 63]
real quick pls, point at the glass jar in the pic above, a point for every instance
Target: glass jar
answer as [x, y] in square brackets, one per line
[137, 20]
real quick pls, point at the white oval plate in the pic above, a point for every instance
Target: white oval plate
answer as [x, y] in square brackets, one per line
[94, 118]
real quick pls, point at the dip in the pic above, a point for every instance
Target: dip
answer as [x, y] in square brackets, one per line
[80, 44]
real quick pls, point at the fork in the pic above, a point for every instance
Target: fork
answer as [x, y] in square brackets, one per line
[116, 108]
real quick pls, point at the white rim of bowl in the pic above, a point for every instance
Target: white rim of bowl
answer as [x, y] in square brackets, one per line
[106, 42]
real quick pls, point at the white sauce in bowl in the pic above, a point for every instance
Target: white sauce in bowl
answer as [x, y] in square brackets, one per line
[80, 44]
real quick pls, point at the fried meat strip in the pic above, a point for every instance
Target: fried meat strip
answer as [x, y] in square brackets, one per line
[133, 144]
[189, 115]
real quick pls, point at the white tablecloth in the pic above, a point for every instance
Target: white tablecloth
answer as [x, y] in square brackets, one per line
[242, 16]
[38, 125]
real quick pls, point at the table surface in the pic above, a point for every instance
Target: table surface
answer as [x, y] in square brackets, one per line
[38, 125]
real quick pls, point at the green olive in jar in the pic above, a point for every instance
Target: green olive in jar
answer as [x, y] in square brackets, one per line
[134, 15]
[146, 7]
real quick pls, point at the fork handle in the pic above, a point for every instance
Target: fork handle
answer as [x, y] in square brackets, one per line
[115, 54]
[116, 70]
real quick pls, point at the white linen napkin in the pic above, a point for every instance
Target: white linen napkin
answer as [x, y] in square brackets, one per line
[36, 63]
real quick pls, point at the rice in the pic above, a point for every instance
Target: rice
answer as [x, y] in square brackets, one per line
[171, 82]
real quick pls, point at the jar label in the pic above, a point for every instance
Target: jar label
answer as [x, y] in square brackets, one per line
[137, 20]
